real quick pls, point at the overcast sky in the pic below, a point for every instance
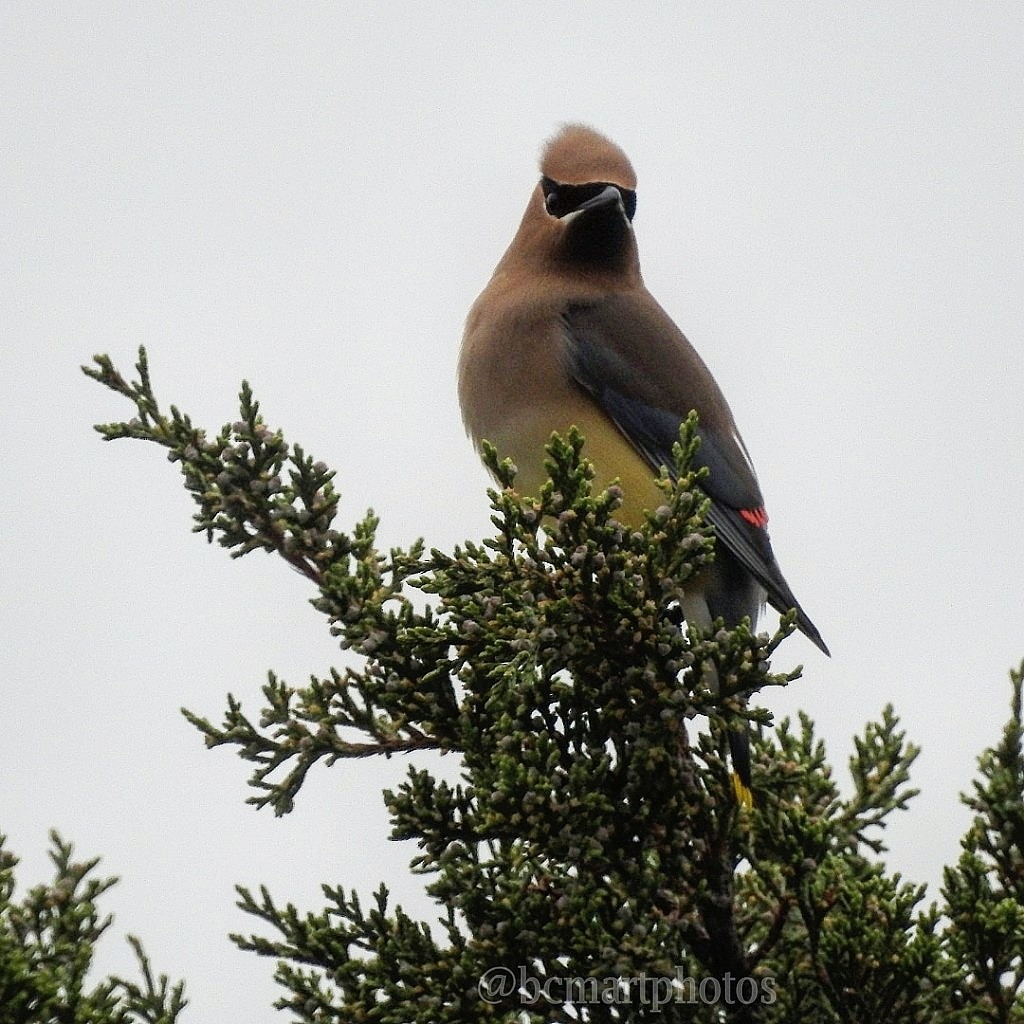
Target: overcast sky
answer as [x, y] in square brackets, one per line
[831, 205]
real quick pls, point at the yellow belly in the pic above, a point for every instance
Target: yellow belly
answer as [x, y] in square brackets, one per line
[523, 440]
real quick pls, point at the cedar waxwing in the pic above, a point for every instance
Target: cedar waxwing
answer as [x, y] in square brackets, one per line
[566, 333]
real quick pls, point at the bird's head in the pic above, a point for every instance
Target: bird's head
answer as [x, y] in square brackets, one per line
[582, 210]
[581, 170]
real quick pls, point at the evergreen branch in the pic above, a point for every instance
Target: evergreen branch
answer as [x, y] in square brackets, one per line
[881, 770]
[238, 478]
[47, 942]
[984, 891]
[155, 1001]
[302, 727]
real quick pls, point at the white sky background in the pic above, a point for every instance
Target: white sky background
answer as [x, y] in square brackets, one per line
[831, 205]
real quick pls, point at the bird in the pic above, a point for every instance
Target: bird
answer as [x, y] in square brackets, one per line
[566, 334]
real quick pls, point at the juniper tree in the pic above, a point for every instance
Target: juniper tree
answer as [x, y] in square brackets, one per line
[592, 863]
[47, 939]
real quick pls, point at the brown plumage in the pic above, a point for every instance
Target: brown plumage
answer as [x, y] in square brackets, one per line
[567, 334]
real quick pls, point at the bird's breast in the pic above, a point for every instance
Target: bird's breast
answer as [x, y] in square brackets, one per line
[515, 390]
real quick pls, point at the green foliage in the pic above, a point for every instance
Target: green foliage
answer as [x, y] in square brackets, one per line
[46, 949]
[592, 863]
[984, 891]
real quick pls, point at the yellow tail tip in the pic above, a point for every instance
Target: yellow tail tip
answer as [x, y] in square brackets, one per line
[744, 797]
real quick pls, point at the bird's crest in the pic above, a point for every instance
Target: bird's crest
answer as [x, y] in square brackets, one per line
[578, 155]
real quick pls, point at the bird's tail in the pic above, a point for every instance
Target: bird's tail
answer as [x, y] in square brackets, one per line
[739, 752]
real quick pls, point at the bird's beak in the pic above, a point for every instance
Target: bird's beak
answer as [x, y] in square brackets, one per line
[606, 197]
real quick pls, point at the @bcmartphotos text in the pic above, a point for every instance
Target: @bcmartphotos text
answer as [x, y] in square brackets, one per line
[501, 984]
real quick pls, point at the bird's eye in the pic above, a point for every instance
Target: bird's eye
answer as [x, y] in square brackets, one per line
[552, 202]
